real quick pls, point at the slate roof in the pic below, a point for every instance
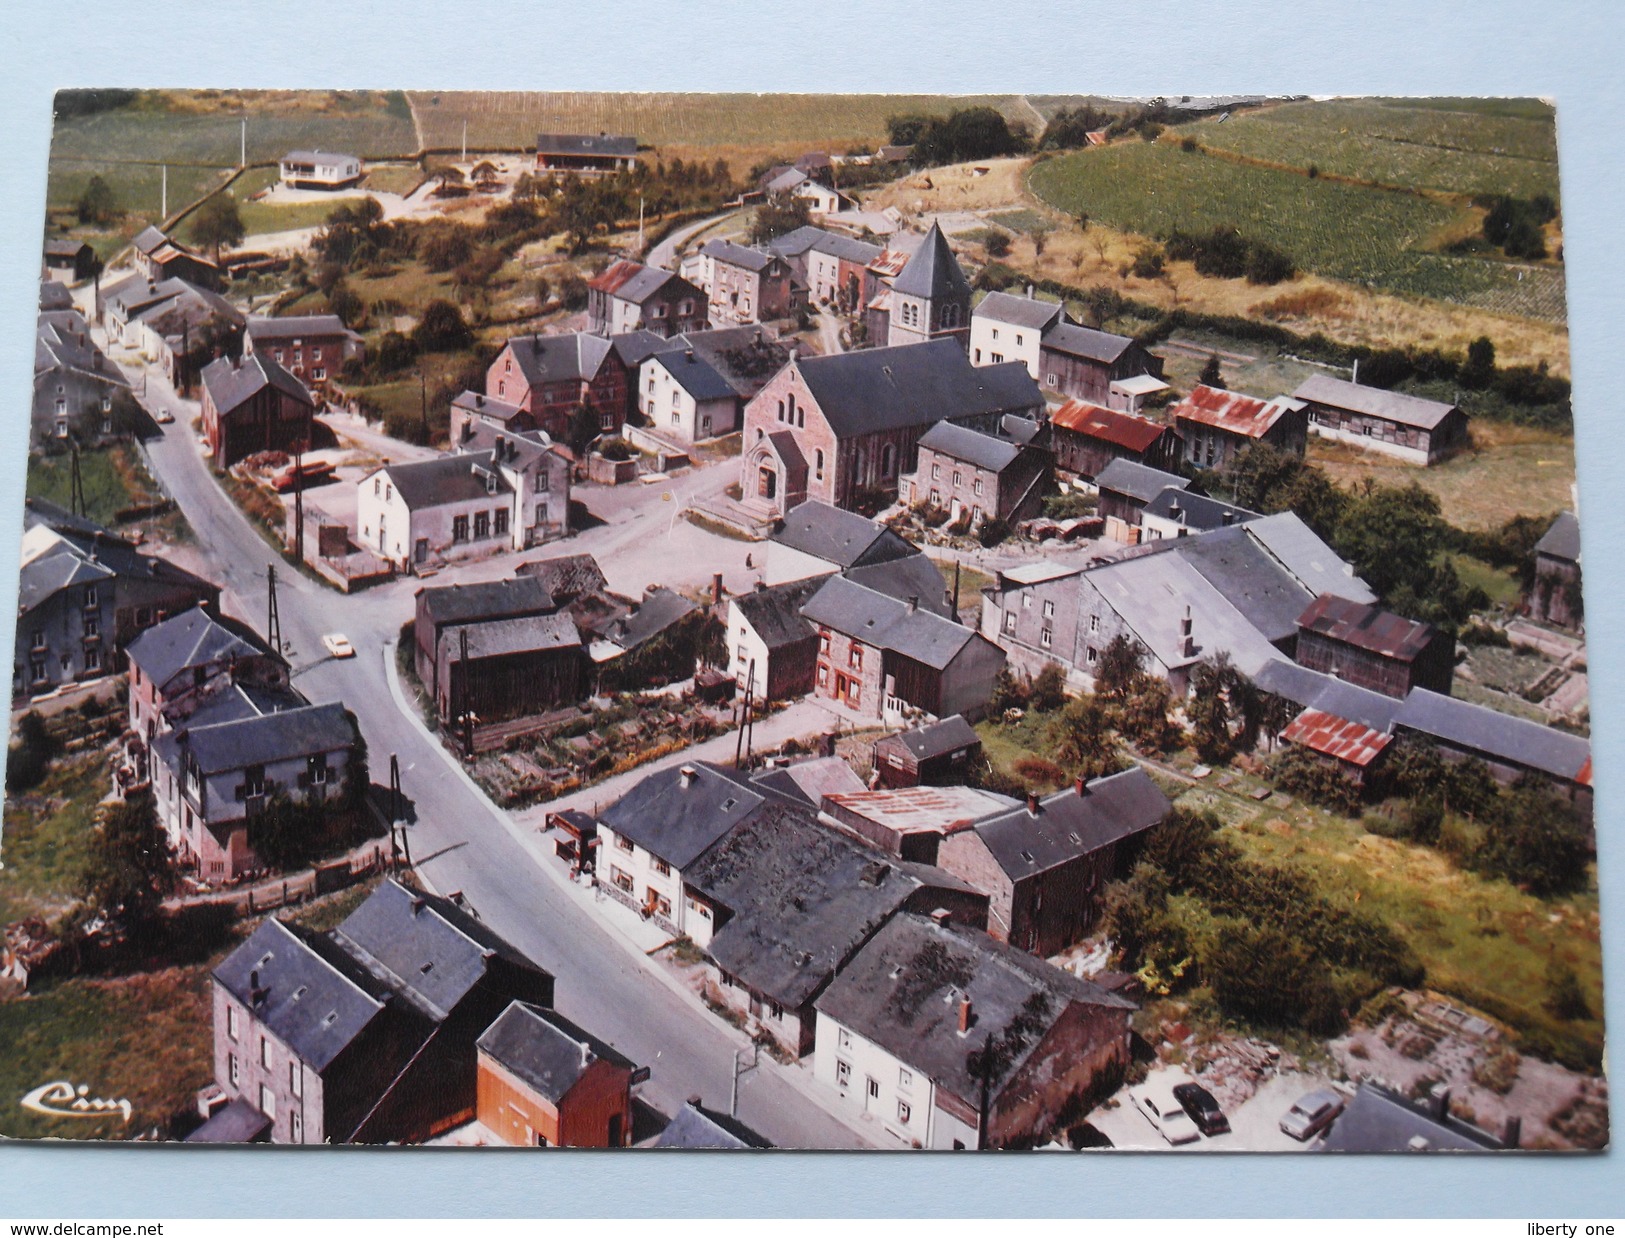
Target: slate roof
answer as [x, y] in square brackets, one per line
[695, 375]
[544, 1049]
[820, 240]
[1328, 694]
[566, 576]
[1138, 481]
[585, 144]
[575, 357]
[938, 739]
[1377, 1120]
[1197, 511]
[636, 347]
[54, 295]
[500, 637]
[774, 612]
[803, 898]
[808, 782]
[631, 281]
[192, 638]
[488, 407]
[56, 555]
[745, 357]
[1138, 434]
[476, 602]
[677, 822]
[1069, 825]
[149, 239]
[426, 948]
[659, 609]
[1337, 737]
[903, 990]
[1562, 540]
[1496, 735]
[1085, 342]
[694, 1126]
[1314, 564]
[62, 341]
[237, 1122]
[283, 736]
[877, 389]
[1232, 411]
[735, 255]
[838, 536]
[1250, 579]
[959, 443]
[1395, 406]
[190, 309]
[1369, 627]
[886, 623]
[448, 479]
[1019, 311]
[240, 701]
[913, 576]
[933, 271]
[314, 997]
[231, 383]
[298, 326]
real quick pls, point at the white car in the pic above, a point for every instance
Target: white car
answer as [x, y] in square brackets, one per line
[163, 417]
[1165, 1113]
[339, 646]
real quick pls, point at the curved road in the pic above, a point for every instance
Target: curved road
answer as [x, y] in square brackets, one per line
[458, 841]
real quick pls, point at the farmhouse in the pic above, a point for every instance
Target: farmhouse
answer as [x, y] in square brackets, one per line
[184, 328]
[845, 427]
[550, 377]
[937, 754]
[313, 347]
[366, 1033]
[583, 154]
[316, 169]
[629, 296]
[473, 406]
[182, 663]
[695, 387]
[1374, 648]
[1555, 597]
[750, 285]
[1043, 864]
[252, 404]
[156, 258]
[79, 395]
[834, 267]
[976, 477]
[545, 1083]
[1405, 427]
[881, 657]
[1218, 425]
[1086, 438]
[771, 648]
[1126, 490]
[1009, 328]
[901, 1024]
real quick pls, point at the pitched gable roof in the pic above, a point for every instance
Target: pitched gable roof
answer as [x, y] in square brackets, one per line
[231, 383]
[192, 638]
[973, 447]
[298, 326]
[585, 144]
[445, 479]
[887, 623]
[479, 601]
[912, 385]
[774, 612]
[1068, 825]
[838, 536]
[1020, 311]
[286, 735]
[938, 738]
[631, 281]
[1137, 481]
[1367, 626]
[1233, 411]
[575, 357]
[694, 1126]
[677, 813]
[544, 1049]
[735, 255]
[1137, 434]
[1395, 406]
[1085, 342]
[1562, 540]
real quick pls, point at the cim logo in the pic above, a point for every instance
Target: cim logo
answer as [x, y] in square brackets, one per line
[61, 1099]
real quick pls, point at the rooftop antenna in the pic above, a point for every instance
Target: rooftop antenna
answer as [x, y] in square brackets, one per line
[273, 620]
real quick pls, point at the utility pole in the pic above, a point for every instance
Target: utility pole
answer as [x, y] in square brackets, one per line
[744, 720]
[640, 223]
[465, 141]
[733, 1094]
[956, 591]
[395, 809]
[242, 156]
[273, 620]
[163, 199]
[423, 404]
[467, 715]
[299, 502]
[76, 484]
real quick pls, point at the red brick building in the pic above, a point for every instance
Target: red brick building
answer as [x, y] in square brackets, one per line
[311, 347]
[550, 376]
[252, 404]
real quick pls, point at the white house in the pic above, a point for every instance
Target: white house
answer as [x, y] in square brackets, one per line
[685, 397]
[1010, 328]
[315, 169]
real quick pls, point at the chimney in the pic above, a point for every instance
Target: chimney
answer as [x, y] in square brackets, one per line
[693, 1102]
[941, 916]
[1176, 512]
[1229, 518]
[586, 1054]
[1439, 1102]
[1188, 641]
[1032, 803]
[416, 905]
[964, 1014]
[716, 588]
[688, 354]
[913, 605]
[502, 447]
[1081, 786]
[761, 586]
[1512, 1133]
[687, 775]
[479, 400]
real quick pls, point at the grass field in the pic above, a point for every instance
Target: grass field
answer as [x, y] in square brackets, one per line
[1393, 142]
[46, 839]
[1511, 470]
[114, 478]
[1375, 238]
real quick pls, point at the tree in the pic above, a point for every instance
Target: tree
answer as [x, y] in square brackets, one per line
[30, 757]
[1143, 715]
[1565, 999]
[780, 214]
[127, 873]
[441, 329]
[394, 352]
[1008, 692]
[584, 428]
[1119, 663]
[1537, 841]
[1213, 707]
[996, 243]
[450, 180]
[1392, 535]
[1082, 740]
[346, 304]
[484, 174]
[217, 224]
[573, 292]
[98, 205]
[1048, 689]
[543, 291]
[1211, 375]
[1479, 370]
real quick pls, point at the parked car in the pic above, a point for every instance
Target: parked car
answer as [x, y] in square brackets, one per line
[1204, 1110]
[303, 476]
[1165, 1114]
[164, 417]
[1312, 1114]
[338, 645]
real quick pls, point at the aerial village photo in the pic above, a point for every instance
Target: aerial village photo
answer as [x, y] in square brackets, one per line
[818, 622]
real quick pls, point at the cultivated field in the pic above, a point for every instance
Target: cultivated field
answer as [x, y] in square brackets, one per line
[1396, 142]
[1376, 238]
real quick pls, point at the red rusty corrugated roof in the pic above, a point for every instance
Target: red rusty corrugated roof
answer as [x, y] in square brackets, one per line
[1231, 410]
[1367, 627]
[1122, 429]
[615, 275]
[1337, 737]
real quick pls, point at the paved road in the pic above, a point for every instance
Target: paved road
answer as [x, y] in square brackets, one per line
[663, 254]
[459, 840]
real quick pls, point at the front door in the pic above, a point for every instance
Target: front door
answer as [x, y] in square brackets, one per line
[767, 485]
[420, 552]
[381, 549]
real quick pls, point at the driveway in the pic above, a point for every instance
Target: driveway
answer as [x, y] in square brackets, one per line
[1254, 1124]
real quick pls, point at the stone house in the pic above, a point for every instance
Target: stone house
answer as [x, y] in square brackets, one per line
[182, 663]
[79, 395]
[750, 285]
[156, 257]
[976, 476]
[1011, 328]
[311, 347]
[550, 376]
[1218, 425]
[628, 296]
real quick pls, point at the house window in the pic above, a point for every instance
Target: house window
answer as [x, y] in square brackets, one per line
[958, 479]
[267, 1101]
[995, 333]
[976, 486]
[377, 486]
[818, 463]
[93, 626]
[93, 659]
[296, 1078]
[544, 479]
[318, 374]
[823, 642]
[1094, 623]
[233, 1076]
[482, 524]
[1010, 622]
[459, 528]
[823, 676]
[874, 1088]
[297, 1122]
[676, 418]
[389, 492]
[316, 767]
[843, 1074]
[500, 527]
[265, 1051]
[1026, 601]
[781, 410]
[231, 1022]
[253, 782]
[621, 878]
[936, 472]
[1049, 610]
[905, 1078]
[978, 357]
[541, 513]
[845, 1039]
[903, 1112]
[997, 358]
[657, 902]
[91, 600]
[624, 843]
[661, 867]
[1092, 655]
[1018, 339]
[1045, 638]
[854, 657]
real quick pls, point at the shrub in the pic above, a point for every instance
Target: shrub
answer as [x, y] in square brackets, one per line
[1148, 261]
[1048, 690]
[1036, 770]
[1565, 999]
[30, 757]
[997, 243]
[442, 329]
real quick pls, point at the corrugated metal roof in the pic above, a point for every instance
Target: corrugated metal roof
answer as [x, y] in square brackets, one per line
[1368, 627]
[1233, 411]
[1127, 430]
[1337, 737]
